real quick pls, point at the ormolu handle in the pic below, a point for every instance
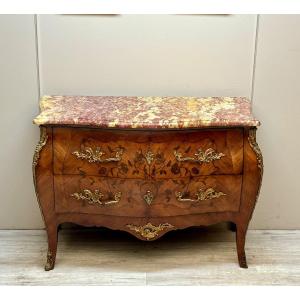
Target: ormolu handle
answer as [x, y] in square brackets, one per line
[201, 195]
[201, 156]
[96, 156]
[96, 197]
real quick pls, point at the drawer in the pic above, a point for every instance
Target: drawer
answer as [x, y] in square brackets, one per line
[196, 153]
[141, 198]
[100, 195]
[100, 153]
[147, 154]
[205, 194]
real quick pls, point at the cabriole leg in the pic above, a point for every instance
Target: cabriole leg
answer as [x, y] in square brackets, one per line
[240, 244]
[52, 247]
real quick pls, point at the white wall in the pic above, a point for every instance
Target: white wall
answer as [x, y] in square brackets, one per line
[152, 55]
[18, 96]
[146, 54]
[276, 103]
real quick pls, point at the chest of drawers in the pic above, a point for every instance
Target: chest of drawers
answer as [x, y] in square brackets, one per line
[146, 165]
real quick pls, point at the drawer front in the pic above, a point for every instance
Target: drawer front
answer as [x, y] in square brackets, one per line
[146, 154]
[189, 154]
[203, 194]
[100, 153]
[100, 195]
[141, 198]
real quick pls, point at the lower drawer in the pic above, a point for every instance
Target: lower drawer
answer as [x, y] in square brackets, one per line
[142, 198]
[203, 194]
[99, 195]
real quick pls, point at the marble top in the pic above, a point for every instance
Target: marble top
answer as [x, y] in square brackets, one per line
[145, 112]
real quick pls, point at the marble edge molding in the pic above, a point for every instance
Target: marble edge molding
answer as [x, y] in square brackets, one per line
[146, 112]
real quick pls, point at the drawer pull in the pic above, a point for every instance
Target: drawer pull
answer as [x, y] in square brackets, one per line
[96, 157]
[148, 197]
[201, 156]
[201, 195]
[149, 231]
[96, 197]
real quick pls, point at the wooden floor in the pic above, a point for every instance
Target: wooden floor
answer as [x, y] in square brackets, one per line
[196, 256]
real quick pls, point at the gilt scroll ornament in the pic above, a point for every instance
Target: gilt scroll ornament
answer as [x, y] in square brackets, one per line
[149, 231]
[42, 142]
[201, 156]
[96, 197]
[36, 156]
[96, 156]
[256, 149]
[201, 195]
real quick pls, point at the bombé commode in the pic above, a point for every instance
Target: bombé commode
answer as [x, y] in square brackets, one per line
[146, 165]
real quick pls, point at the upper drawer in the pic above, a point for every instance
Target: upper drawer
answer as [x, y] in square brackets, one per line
[100, 152]
[147, 154]
[194, 153]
